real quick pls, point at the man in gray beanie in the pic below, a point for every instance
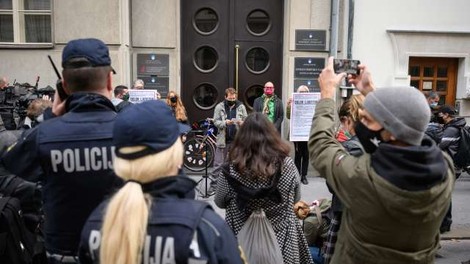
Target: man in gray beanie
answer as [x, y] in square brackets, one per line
[396, 194]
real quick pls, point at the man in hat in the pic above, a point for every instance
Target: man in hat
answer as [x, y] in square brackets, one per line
[71, 155]
[450, 144]
[395, 195]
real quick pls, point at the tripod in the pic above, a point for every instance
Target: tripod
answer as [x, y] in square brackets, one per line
[205, 176]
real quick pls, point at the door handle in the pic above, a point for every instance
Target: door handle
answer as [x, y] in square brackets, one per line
[237, 47]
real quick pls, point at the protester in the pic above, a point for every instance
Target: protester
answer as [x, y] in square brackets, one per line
[258, 164]
[138, 84]
[121, 97]
[434, 129]
[154, 216]
[349, 117]
[228, 117]
[450, 144]
[300, 147]
[173, 100]
[270, 105]
[71, 155]
[395, 195]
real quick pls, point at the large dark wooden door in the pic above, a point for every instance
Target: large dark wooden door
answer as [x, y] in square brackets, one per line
[229, 43]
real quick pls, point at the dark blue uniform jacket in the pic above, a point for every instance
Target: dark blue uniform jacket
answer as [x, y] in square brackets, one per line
[71, 156]
[180, 229]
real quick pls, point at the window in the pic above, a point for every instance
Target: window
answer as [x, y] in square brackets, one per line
[25, 21]
[434, 74]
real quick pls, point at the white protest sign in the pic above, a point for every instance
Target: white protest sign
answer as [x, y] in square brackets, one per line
[139, 96]
[302, 111]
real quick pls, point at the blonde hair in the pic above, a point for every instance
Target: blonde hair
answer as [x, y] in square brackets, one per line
[126, 217]
[180, 111]
[303, 88]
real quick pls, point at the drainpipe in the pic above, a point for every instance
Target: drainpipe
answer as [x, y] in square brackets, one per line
[350, 28]
[334, 28]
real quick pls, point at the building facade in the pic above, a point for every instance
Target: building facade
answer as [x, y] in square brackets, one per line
[199, 48]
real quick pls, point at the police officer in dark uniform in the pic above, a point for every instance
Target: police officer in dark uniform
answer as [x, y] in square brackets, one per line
[154, 218]
[72, 154]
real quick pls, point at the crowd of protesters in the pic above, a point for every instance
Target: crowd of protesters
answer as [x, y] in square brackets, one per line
[114, 190]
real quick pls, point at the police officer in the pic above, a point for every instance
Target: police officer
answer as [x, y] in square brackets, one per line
[154, 218]
[71, 155]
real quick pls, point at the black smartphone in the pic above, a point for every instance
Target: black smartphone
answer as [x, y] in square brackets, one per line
[63, 96]
[347, 66]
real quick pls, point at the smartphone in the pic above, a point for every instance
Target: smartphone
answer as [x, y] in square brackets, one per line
[347, 66]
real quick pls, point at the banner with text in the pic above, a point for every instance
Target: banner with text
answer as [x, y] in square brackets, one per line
[139, 96]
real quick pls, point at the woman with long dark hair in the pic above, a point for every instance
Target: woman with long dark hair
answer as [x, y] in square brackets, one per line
[259, 162]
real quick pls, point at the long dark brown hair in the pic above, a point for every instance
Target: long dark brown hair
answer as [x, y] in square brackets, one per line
[258, 147]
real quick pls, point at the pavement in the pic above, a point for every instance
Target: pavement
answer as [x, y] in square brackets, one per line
[316, 189]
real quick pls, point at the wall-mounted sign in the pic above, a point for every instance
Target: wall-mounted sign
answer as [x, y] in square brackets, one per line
[308, 68]
[154, 70]
[306, 39]
[159, 83]
[153, 64]
[312, 85]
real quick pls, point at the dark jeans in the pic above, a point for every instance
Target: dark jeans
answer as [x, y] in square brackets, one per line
[301, 157]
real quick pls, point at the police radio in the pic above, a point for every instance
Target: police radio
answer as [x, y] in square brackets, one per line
[63, 96]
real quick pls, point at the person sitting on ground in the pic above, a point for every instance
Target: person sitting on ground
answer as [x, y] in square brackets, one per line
[154, 217]
[395, 195]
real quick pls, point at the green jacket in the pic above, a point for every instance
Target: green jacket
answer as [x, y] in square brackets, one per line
[382, 222]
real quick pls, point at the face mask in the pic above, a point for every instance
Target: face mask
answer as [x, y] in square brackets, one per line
[433, 105]
[125, 97]
[230, 103]
[369, 139]
[173, 99]
[440, 120]
[268, 91]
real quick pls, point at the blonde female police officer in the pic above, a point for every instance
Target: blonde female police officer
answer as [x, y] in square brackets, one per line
[154, 218]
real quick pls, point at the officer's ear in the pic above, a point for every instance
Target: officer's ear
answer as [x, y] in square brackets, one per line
[65, 86]
[109, 82]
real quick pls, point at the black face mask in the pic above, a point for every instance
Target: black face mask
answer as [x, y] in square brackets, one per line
[440, 120]
[173, 99]
[230, 103]
[369, 139]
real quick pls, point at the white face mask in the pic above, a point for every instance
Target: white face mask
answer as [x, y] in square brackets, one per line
[434, 104]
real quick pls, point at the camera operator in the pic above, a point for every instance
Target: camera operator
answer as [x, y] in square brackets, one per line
[6, 110]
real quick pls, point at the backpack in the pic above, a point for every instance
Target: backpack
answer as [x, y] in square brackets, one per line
[317, 222]
[16, 241]
[462, 157]
[258, 240]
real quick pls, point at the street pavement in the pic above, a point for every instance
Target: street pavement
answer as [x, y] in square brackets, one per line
[455, 245]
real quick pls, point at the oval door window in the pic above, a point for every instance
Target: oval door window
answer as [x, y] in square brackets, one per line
[205, 59]
[257, 60]
[205, 21]
[258, 22]
[252, 93]
[205, 96]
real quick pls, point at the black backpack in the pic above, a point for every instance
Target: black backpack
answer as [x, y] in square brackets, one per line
[17, 242]
[462, 157]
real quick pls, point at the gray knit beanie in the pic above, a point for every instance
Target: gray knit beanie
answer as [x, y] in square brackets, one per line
[403, 111]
